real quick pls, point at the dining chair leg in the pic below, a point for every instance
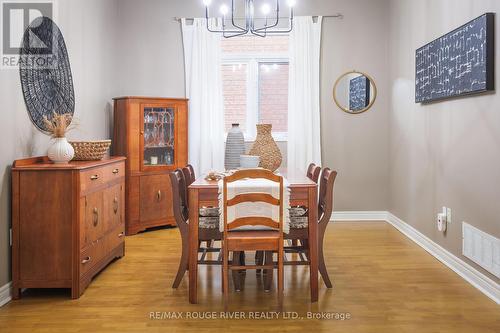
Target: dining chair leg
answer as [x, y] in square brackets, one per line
[322, 265]
[259, 260]
[236, 274]
[268, 278]
[280, 280]
[225, 281]
[183, 264]
[305, 244]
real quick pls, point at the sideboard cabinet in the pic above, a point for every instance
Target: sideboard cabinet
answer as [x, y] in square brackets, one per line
[153, 134]
[67, 222]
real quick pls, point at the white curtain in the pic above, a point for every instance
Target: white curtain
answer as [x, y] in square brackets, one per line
[304, 137]
[204, 89]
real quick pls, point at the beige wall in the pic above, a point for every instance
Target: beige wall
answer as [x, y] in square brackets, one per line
[445, 153]
[89, 30]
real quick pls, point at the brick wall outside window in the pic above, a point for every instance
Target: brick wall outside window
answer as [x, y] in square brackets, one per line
[234, 85]
[273, 95]
[248, 58]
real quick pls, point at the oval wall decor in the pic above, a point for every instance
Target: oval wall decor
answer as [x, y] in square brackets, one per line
[45, 72]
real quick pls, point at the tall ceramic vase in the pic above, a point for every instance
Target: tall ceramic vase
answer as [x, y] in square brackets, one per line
[60, 151]
[235, 146]
[265, 147]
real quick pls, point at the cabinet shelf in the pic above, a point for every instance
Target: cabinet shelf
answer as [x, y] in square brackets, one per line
[157, 147]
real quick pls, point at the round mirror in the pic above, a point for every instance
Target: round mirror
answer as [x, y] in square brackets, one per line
[354, 92]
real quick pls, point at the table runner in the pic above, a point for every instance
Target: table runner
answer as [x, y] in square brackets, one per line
[259, 209]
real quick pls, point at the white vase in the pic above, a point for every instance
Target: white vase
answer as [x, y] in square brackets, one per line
[60, 151]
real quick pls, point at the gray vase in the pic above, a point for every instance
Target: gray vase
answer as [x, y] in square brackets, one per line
[235, 146]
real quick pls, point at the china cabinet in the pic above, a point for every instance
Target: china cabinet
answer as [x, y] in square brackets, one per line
[152, 133]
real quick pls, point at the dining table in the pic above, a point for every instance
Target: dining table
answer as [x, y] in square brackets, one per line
[205, 193]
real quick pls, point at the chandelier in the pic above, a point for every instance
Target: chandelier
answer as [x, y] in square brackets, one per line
[271, 18]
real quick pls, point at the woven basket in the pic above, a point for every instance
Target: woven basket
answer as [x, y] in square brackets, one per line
[90, 150]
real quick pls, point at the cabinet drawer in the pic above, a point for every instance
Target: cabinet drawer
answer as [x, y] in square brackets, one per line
[91, 256]
[114, 171]
[155, 197]
[90, 179]
[115, 238]
[93, 178]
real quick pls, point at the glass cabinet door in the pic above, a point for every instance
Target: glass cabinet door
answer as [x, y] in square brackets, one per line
[158, 136]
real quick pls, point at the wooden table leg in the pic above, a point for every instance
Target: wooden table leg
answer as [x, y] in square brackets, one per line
[193, 245]
[313, 242]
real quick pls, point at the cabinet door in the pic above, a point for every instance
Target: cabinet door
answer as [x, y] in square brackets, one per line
[158, 135]
[94, 217]
[114, 207]
[156, 197]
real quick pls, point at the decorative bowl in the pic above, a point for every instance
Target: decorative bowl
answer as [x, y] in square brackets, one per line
[249, 161]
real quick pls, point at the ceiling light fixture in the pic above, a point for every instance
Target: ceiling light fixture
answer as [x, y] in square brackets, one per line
[230, 27]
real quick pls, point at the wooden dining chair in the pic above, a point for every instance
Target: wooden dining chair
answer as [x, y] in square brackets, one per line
[189, 175]
[325, 208]
[313, 172]
[236, 240]
[181, 214]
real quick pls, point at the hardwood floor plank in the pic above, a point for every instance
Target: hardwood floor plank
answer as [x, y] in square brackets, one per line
[384, 281]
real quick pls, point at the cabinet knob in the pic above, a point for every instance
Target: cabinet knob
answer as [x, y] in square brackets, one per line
[95, 219]
[115, 171]
[158, 195]
[94, 177]
[121, 234]
[86, 260]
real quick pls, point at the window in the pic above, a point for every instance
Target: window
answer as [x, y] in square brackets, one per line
[255, 83]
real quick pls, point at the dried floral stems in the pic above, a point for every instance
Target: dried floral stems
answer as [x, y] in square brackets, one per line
[59, 124]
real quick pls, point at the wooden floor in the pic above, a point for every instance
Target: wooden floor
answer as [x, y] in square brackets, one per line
[381, 279]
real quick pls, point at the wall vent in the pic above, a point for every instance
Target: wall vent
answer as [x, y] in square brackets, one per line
[481, 248]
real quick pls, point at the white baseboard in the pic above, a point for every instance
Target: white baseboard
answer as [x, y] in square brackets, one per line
[482, 282]
[5, 294]
[359, 216]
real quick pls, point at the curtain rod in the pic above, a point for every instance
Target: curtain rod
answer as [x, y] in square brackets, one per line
[338, 15]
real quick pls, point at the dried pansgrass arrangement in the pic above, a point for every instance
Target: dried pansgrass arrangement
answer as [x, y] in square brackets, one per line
[59, 124]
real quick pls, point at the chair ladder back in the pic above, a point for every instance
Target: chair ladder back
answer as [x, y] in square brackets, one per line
[253, 197]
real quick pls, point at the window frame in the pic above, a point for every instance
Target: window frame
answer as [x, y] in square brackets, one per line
[252, 62]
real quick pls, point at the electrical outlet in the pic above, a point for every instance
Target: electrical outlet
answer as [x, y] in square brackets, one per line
[448, 215]
[441, 222]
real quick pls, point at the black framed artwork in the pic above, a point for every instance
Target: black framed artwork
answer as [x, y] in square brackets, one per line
[359, 93]
[458, 63]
